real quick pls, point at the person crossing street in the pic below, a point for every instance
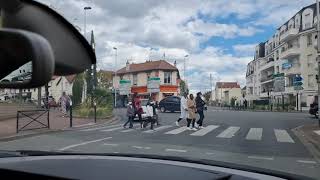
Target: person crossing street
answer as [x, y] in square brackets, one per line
[191, 113]
[183, 108]
[200, 104]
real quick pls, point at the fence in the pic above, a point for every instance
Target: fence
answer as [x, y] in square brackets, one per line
[33, 120]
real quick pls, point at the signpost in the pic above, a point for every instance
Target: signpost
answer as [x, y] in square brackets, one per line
[297, 83]
[125, 87]
[153, 85]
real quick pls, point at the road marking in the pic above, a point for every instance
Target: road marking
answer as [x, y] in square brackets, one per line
[98, 128]
[83, 143]
[141, 147]
[112, 129]
[283, 136]
[307, 162]
[229, 133]
[317, 132]
[83, 125]
[176, 150]
[208, 153]
[261, 157]
[204, 131]
[108, 144]
[157, 129]
[177, 131]
[128, 130]
[254, 134]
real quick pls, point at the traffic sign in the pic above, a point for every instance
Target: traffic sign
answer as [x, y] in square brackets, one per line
[297, 88]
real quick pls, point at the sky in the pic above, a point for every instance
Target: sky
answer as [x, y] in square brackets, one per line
[218, 36]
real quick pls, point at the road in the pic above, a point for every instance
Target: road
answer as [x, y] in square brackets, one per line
[260, 139]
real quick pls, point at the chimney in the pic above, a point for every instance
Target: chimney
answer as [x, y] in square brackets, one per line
[175, 63]
[127, 65]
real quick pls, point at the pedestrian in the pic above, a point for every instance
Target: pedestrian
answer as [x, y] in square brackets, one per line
[191, 113]
[137, 108]
[64, 102]
[130, 115]
[200, 105]
[245, 104]
[183, 108]
[150, 116]
[155, 114]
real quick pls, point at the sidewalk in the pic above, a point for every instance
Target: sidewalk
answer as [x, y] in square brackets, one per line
[57, 122]
[310, 137]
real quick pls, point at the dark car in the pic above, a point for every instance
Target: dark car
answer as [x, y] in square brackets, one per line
[314, 109]
[171, 103]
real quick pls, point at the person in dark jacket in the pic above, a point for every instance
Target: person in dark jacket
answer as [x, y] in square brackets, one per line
[201, 106]
[130, 115]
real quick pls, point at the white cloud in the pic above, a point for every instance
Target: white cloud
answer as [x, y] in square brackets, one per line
[244, 49]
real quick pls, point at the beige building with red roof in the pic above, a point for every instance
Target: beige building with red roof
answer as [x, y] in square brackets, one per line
[225, 91]
[139, 74]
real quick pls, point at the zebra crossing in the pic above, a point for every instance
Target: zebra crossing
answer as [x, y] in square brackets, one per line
[252, 134]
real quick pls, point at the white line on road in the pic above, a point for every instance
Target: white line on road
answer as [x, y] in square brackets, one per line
[176, 150]
[157, 129]
[109, 144]
[317, 132]
[177, 131]
[208, 153]
[261, 157]
[98, 128]
[254, 134]
[204, 131]
[112, 129]
[141, 147]
[128, 130]
[83, 125]
[283, 136]
[307, 162]
[83, 143]
[229, 133]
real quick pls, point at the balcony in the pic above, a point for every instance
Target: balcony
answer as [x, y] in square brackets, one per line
[294, 69]
[266, 79]
[290, 52]
[289, 35]
[267, 64]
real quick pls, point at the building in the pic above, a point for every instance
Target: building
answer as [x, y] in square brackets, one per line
[288, 54]
[138, 75]
[225, 91]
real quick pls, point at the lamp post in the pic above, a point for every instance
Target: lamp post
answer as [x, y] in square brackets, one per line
[115, 75]
[85, 20]
[318, 50]
[184, 71]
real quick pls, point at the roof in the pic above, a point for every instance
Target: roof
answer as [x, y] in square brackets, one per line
[147, 66]
[227, 85]
[70, 78]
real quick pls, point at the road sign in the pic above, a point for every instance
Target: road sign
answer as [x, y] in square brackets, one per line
[124, 87]
[279, 82]
[298, 88]
[153, 84]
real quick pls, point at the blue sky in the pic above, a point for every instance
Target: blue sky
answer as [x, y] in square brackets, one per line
[219, 36]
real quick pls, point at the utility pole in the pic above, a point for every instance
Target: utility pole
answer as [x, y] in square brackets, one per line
[115, 75]
[211, 91]
[184, 71]
[318, 50]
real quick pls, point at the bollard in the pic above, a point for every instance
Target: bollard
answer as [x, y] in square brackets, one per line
[95, 112]
[70, 113]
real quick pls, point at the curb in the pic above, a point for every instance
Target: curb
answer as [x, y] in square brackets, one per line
[49, 131]
[312, 146]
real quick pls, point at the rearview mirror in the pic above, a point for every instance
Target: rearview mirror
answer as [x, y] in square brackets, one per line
[73, 54]
[26, 59]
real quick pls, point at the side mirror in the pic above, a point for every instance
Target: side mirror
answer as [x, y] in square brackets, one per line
[26, 59]
[73, 54]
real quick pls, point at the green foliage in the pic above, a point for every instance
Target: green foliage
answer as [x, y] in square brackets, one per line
[233, 101]
[183, 87]
[207, 95]
[104, 112]
[77, 89]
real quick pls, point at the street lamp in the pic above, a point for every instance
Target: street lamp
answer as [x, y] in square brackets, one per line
[85, 20]
[184, 70]
[115, 75]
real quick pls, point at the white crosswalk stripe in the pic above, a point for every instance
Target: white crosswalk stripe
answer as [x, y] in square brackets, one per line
[283, 136]
[177, 131]
[112, 129]
[204, 131]
[254, 134]
[229, 133]
[157, 129]
[317, 132]
[99, 128]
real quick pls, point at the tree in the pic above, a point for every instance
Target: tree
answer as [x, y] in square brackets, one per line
[183, 87]
[77, 89]
[207, 96]
[104, 79]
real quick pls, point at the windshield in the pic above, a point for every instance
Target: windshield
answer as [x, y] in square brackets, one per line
[240, 79]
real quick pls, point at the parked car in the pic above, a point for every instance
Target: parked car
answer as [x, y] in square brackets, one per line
[314, 109]
[171, 103]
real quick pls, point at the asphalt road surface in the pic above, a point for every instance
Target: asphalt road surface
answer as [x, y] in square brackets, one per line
[260, 139]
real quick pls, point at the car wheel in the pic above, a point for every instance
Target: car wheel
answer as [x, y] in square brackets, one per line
[163, 109]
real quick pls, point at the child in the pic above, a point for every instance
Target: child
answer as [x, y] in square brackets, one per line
[130, 114]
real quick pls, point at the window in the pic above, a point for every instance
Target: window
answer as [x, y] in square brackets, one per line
[148, 75]
[121, 77]
[310, 80]
[309, 60]
[277, 69]
[309, 40]
[135, 79]
[167, 77]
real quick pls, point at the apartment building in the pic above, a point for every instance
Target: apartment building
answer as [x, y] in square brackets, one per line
[289, 53]
[138, 75]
